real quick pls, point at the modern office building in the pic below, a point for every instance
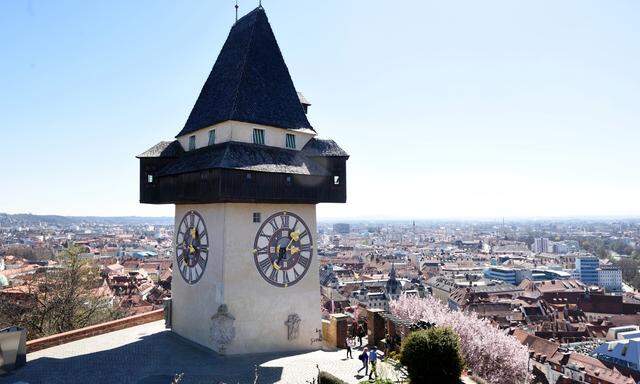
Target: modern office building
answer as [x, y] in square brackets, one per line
[509, 275]
[610, 278]
[540, 274]
[341, 228]
[587, 269]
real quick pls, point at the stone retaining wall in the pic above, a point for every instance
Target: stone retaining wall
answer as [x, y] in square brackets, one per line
[98, 329]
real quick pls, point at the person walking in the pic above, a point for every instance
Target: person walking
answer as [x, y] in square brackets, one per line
[350, 344]
[373, 358]
[364, 357]
[360, 334]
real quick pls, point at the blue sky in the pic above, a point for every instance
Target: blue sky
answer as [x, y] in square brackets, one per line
[448, 109]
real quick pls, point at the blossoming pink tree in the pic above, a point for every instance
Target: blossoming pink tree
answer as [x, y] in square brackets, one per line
[489, 352]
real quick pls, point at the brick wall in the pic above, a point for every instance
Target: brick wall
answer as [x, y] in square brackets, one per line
[375, 326]
[94, 330]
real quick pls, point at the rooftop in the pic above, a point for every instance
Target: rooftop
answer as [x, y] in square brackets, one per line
[249, 82]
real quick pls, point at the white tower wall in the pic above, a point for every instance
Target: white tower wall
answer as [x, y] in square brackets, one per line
[260, 309]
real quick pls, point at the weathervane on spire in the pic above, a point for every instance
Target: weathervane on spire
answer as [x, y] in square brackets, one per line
[259, 3]
[236, 11]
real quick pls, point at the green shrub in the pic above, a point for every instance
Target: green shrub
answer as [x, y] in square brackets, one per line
[432, 356]
[327, 378]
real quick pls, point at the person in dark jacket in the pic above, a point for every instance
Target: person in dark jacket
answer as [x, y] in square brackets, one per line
[364, 357]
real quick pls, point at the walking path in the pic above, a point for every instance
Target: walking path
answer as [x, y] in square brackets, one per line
[149, 354]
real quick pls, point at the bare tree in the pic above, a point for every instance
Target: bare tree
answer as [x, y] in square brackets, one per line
[59, 299]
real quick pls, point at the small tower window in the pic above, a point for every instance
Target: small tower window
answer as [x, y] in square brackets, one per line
[291, 141]
[256, 217]
[192, 142]
[149, 178]
[336, 180]
[258, 136]
[212, 137]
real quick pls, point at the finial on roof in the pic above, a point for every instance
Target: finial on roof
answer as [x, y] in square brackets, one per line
[259, 3]
[236, 11]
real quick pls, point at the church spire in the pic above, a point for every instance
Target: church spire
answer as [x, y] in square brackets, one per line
[393, 284]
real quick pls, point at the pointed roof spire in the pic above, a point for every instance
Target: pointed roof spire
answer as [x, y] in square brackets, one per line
[249, 82]
[393, 284]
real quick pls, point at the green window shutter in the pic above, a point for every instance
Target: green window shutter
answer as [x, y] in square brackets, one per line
[258, 136]
[290, 141]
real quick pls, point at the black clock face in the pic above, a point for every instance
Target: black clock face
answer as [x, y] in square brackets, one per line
[282, 249]
[192, 247]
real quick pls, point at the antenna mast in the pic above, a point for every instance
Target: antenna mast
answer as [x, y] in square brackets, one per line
[236, 11]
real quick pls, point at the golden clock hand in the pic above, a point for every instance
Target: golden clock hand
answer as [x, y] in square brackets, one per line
[294, 250]
[193, 233]
[191, 249]
[289, 245]
[295, 236]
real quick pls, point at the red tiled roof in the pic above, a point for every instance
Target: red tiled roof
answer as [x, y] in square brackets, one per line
[537, 344]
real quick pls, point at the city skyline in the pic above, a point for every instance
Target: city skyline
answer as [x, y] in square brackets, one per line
[498, 111]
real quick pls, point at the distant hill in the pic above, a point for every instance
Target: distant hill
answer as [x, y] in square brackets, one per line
[29, 219]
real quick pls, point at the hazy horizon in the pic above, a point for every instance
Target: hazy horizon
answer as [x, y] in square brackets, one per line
[448, 110]
[383, 219]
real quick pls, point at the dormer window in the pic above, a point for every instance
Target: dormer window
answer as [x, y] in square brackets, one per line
[290, 141]
[212, 137]
[258, 136]
[192, 142]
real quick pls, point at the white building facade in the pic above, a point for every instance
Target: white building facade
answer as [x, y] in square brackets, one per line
[610, 278]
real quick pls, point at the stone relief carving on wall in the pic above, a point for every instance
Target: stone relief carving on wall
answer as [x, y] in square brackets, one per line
[318, 338]
[293, 325]
[222, 330]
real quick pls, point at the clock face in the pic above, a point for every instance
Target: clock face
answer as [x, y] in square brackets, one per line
[192, 247]
[282, 249]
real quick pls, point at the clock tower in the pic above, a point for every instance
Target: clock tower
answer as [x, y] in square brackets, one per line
[245, 174]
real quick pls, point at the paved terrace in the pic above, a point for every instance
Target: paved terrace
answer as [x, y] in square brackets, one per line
[150, 354]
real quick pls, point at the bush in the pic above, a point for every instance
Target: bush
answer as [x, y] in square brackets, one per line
[393, 355]
[488, 351]
[327, 378]
[433, 356]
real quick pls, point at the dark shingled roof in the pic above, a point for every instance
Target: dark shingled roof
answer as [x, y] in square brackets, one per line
[249, 82]
[244, 156]
[323, 147]
[163, 149]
